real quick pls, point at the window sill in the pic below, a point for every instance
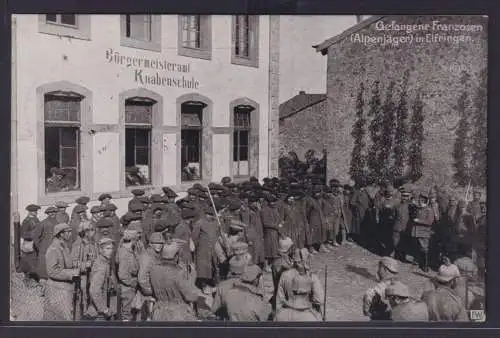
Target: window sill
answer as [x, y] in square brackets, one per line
[235, 60]
[64, 196]
[240, 179]
[195, 53]
[64, 31]
[138, 44]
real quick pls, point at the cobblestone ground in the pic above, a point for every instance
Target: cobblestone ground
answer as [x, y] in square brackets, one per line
[351, 271]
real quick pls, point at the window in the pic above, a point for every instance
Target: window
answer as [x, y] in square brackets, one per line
[195, 36]
[191, 140]
[62, 141]
[138, 128]
[245, 50]
[61, 19]
[70, 25]
[241, 140]
[141, 31]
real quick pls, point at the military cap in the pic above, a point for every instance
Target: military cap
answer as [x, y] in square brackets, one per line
[390, 263]
[234, 204]
[51, 210]
[156, 206]
[111, 207]
[102, 197]
[398, 289]
[252, 272]
[334, 183]
[447, 273]
[230, 185]
[95, 209]
[465, 265]
[104, 223]
[188, 213]
[156, 238]
[60, 228]
[170, 250]
[199, 187]
[32, 207]
[285, 244]
[237, 265]
[105, 240]
[79, 208]
[169, 192]
[253, 179]
[138, 192]
[61, 204]
[83, 200]
[156, 198]
[225, 180]
[135, 207]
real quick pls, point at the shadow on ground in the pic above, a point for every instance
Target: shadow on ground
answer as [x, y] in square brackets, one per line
[363, 272]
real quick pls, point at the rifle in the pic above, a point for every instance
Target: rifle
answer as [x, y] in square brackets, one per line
[324, 297]
[218, 219]
[77, 291]
[87, 283]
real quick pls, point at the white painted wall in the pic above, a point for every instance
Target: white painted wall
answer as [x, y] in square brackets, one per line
[43, 58]
[301, 67]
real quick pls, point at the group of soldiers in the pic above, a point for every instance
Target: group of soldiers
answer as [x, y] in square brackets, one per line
[203, 256]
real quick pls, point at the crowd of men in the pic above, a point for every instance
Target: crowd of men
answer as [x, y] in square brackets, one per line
[203, 256]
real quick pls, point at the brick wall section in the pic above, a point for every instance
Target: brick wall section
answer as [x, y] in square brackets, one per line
[274, 60]
[304, 130]
[351, 63]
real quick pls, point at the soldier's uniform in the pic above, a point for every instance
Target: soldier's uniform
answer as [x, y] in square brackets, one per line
[245, 301]
[374, 301]
[205, 235]
[146, 261]
[270, 216]
[387, 217]
[474, 207]
[172, 290]
[255, 234]
[28, 230]
[103, 286]
[410, 310]
[402, 217]
[283, 263]
[42, 240]
[316, 219]
[128, 271]
[348, 214]
[83, 252]
[298, 307]
[422, 232]
[58, 298]
[62, 216]
[83, 201]
[79, 215]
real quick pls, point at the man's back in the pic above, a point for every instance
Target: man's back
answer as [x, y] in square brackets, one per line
[245, 302]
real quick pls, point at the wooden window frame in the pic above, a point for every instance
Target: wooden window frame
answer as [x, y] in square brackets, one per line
[200, 146]
[85, 156]
[238, 129]
[205, 50]
[81, 29]
[153, 45]
[253, 59]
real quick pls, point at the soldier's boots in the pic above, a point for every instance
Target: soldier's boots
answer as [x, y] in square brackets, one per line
[323, 249]
[312, 250]
[330, 246]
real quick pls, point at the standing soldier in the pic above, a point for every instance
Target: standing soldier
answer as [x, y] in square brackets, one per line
[372, 213]
[78, 217]
[464, 229]
[58, 302]
[400, 226]
[173, 291]
[83, 252]
[110, 213]
[422, 230]
[245, 301]
[359, 204]
[348, 215]
[403, 307]
[474, 207]
[43, 238]
[435, 251]
[128, 271]
[443, 303]
[271, 223]
[374, 301]
[298, 306]
[102, 283]
[151, 256]
[29, 228]
[82, 200]
[338, 213]
[283, 263]
[388, 209]
[62, 216]
[256, 230]
[317, 221]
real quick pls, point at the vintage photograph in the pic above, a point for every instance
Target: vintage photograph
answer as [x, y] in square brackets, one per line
[248, 168]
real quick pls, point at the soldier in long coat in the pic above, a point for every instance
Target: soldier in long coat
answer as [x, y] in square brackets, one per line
[283, 263]
[474, 206]
[371, 220]
[78, 216]
[110, 213]
[402, 218]
[359, 206]
[83, 252]
[403, 308]
[255, 232]
[348, 215]
[422, 230]
[464, 229]
[147, 259]
[83, 201]
[43, 237]
[205, 235]
[58, 301]
[271, 223]
[103, 283]
[298, 307]
[316, 220]
[62, 216]
[388, 210]
[128, 271]
[29, 226]
[245, 301]
[338, 215]
[173, 292]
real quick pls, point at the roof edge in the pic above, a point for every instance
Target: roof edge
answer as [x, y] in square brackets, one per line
[323, 47]
[305, 107]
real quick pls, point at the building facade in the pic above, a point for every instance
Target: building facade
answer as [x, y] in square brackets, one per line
[110, 103]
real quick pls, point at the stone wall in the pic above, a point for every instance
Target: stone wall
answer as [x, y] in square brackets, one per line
[435, 68]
